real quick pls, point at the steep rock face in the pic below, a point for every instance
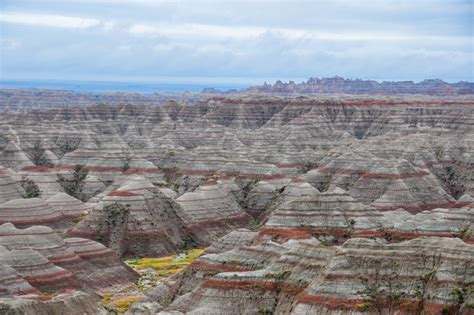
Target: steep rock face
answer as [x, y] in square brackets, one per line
[212, 210]
[14, 157]
[11, 186]
[269, 137]
[249, 279]
[28, 212]
[59, 211]
[427, 267]
[263, 196]
[312, 171]
[277, 269]
[333, 213]
[11, 283]
[386, 184]
[48, 262]
[306, 277]
[275, 285]
[239, 237]
[338, 215]
[45, 178]
[136, 220]
[106, 268]
[69, 206]
[192, 289]
[41, 273]
[38, 270]
[419, 146]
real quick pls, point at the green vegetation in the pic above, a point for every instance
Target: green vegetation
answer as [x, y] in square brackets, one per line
[279, 275]
[38, 156]
[126, 163]
[31, 189]
[385, 293]
[137, 145]
[68, 145]
[109, 233]
[166, 266]
[462, 295]
[74, 182]
[119, 299]
[123, 303]
[464, 232]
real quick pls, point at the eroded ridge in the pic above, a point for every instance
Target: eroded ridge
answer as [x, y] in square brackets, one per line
[303, 202]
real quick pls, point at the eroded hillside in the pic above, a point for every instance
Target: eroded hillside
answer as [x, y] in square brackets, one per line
[307, 204]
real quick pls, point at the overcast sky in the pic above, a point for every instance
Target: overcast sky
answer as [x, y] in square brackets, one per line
[145, 40]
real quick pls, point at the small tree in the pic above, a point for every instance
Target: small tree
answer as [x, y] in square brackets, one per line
[38, 156]
[430, 264]
[453, 180]
[31, 189]
[383, 290]
[462, 294]
[68, 145]
[464, 231]
[74, 183]
[384, 287]
[113, 231]
[349, 224]
[126, 163]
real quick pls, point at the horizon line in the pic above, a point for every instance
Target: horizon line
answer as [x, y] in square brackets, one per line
[200, 80]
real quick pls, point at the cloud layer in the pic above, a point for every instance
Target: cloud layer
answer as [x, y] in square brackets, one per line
[148, 40]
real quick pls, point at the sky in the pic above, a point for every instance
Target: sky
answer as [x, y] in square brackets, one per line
[236, 41]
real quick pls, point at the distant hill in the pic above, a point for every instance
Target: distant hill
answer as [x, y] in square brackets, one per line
[339, 85]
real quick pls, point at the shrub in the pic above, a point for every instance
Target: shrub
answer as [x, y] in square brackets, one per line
[31, 189]
[464, 231]
[68, 145]
[38, 156]
[73, 184]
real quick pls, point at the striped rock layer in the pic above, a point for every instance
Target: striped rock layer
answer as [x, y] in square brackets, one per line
[212, 210]
[306, 277]
[136, 220]
[10, 186]
[338, 215]
[346, 191]
[421, 274]
[59, 211]
[412, 152]
[41, 260]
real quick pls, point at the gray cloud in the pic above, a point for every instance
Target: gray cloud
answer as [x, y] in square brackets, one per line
[292, 39]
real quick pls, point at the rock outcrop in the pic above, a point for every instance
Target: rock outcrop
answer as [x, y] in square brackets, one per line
[212, 211]
[420, 274]
[60, 211]
[307, 277]
[42, 273]
[338, 215]
[338, 85]
[11, 186]
[48, 262]
[136, 219]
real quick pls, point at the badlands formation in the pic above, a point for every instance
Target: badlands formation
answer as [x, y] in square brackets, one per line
[305, 204]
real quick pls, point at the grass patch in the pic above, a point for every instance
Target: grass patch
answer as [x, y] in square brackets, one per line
[123, 303]
[165, 266]
[151, 270]
[119, 299]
